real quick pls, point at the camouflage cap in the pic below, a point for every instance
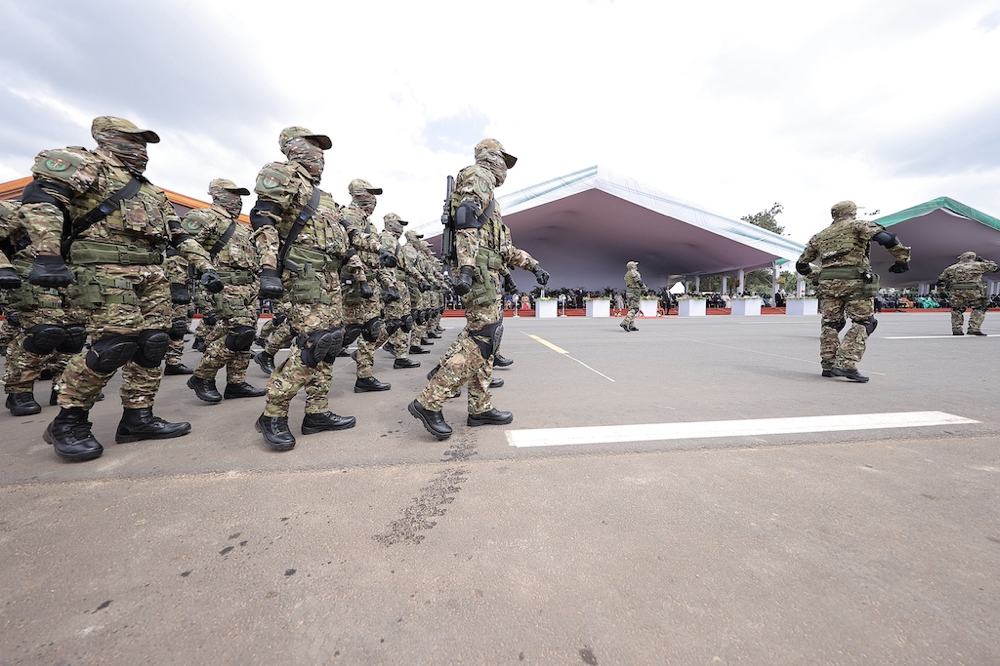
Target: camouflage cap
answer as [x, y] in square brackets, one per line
[392, 217]
[412, 236]
[632, 264]
[360, 186]
[488, 145]
[224, 184]
[967, 256]
[110, 123]
[842, 208]
[295, 132]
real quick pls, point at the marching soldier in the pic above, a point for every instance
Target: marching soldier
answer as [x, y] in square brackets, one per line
[966, 289]
[633, 294]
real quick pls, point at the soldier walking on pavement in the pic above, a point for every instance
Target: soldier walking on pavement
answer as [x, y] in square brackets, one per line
[230, 244]
[847, 285]
[119, 222]
[399, 322]
[176, 268]
[966, 289]
[633, 294]
[301, 245]
[477, 221]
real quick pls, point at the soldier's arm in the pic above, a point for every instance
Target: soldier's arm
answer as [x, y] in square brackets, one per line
[59, 177]
[360, 239]
[187, 246]
[276, 195]
[809, 255]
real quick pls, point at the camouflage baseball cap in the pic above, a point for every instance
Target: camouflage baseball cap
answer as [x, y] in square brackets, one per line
[295, 132]
[967, 256]
[392, 217]
[632, 264]
[412, 236]
[110, 123]
[488, 145]
[360, 186]
[224, 184]
[842, 208]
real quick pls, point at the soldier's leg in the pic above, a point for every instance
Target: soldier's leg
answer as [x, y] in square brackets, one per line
[457, 367]
[852, 348]
[978, 315]
[958, 305]
[833, 321]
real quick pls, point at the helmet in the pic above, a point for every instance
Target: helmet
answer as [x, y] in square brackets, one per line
[843, 209]
[492, 145]
[967, 256]
[359, 186]
[225, 185]
[319, 140]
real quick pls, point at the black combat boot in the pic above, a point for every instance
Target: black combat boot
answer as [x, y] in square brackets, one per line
[243, 390]
[276, 432]
[366, 384]
[205, 389]
[414, 349]
[977, 333]
[426, 343]
[265, 361]
[389, 347]
[70, 434]
[138, 424]
[501, 361]
[625, 327]
[22, 404]
[433, 421]
[314, 423]
[492, 417]
[496, 382]
[198, 345]
[850, 373]
[404, 363]
[177, 369]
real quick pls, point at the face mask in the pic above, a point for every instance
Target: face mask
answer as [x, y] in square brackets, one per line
[129, 149]
[365, 201]
[308, 155]
[493, 161]
[230, 202]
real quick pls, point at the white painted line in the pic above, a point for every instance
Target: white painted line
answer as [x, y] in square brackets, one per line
[560, 350]
[704, 429]
[936, 337]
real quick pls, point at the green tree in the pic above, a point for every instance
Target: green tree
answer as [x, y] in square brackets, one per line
[767, 219]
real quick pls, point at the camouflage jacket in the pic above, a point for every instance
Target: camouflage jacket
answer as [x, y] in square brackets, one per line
[208, 225]
[366, 240]
[13, 236]
[476, 184]
[146, 221]
[847, 242]
[633, 279]
[966, 272]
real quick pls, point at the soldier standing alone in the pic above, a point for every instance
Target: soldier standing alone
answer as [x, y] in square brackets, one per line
[633, 294]
[847, 285]
[966, 289]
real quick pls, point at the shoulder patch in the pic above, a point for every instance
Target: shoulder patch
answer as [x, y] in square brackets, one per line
[271, 178]
[68, 165]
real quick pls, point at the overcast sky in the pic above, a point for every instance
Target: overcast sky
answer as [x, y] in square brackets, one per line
[732, 105]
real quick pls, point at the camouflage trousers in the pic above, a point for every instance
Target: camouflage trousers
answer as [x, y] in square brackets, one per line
[400, 339]
[80, 386]
[968, 298]
[359, 311]
[839, 301]
[236, 306]
[464, 362]
[176, 350]
[293, 374]
[632, 304]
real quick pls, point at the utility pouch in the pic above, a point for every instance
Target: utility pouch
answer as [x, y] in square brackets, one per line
[871, 284]
[484, 291]
[306, 288]
[86, 290]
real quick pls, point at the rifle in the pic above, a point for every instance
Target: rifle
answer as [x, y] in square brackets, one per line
[448, 250]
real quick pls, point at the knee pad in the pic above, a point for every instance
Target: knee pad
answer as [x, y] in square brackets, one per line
[837, 325]
[371, 329]
[112, 352]
[279, 319]
[870, 323]
[351, 333]
[76, 338]
[393, 325]
[315, 346]
[178, 328]
[488, 338]
[152, 347]
[338, 344]
[43, 339]
[408, 323]
[415, 315]
[240, 339]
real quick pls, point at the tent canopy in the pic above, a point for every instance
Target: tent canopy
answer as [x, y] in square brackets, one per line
[937, 231]
[585, 226]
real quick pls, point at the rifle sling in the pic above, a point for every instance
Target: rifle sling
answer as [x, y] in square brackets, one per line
[307, 212]
[223, 239]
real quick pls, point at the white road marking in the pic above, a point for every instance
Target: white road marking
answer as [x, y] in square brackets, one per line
[560, 350]
[737, 428]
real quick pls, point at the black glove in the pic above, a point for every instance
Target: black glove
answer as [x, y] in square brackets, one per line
[50, 271]
[387, 259]
[463, 284]
[899, 267]
[424, 286]
[541, 275]
[391, 294]
[9, 279]
[365, 289]
[211, 281]
[14, 318]
[179, 294]
[508, 284]
[178, 327]
[208, 318]
[270, 284]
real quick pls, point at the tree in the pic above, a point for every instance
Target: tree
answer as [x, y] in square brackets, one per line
[767, 219]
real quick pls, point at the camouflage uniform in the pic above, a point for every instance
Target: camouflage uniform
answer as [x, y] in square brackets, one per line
[633, 294]
[966, 289]
[399, 320]
[479, 244]
[363, 300]
[176, 268]
[117, 278]
[231, 245]
[846, 285]
[289, 197]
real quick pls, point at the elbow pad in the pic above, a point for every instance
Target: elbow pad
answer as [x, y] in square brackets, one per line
[467, 216]
[260, 214]
[803, 267]
[886, 239]
[41, 191]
